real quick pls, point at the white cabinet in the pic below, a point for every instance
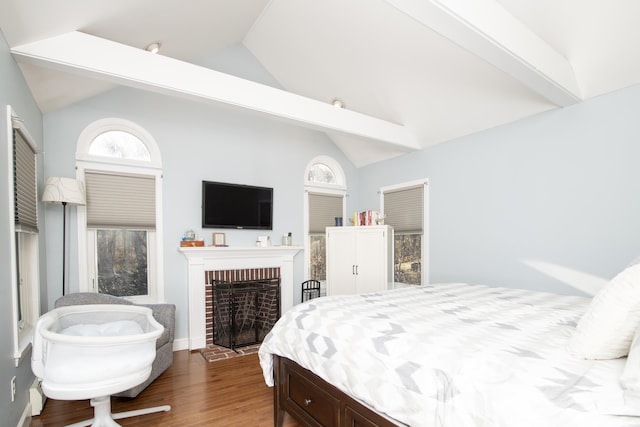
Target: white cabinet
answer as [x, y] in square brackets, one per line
[359, 259]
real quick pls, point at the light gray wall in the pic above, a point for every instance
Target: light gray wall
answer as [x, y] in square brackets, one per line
[197, 142]
[560, 189]
[14, 92]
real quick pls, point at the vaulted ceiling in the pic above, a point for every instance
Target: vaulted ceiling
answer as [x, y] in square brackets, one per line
[411, 73]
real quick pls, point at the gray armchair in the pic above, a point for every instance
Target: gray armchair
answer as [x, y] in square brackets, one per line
[163, 313]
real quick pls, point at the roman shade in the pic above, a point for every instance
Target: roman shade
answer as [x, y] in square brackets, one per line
[404, 209]
[24, 181]
[323, 209]
[120, 200]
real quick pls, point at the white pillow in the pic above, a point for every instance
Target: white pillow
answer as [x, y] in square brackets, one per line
[634, 262]
[630, 378]
[606, 330]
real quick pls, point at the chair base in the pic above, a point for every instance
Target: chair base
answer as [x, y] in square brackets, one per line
[104, 418]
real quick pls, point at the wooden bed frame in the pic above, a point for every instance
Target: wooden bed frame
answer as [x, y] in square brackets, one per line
[314, 402]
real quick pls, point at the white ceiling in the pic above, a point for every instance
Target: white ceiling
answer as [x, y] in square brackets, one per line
[412, 73]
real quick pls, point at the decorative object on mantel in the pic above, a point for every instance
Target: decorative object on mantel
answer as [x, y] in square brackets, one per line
[263, 241]
[287, 239]
[192, 243]
[218, 239]
[189, 240]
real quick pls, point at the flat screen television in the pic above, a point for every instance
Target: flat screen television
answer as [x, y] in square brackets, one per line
[237, 206]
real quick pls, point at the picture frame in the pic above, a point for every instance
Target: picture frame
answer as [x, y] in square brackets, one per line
[219, 239]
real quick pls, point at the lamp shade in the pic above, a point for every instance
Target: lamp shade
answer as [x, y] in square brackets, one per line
[64, 190]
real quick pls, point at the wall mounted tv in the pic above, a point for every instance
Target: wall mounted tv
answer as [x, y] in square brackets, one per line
[237, 206]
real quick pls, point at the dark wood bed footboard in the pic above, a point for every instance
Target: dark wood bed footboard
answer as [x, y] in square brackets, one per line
[314, 402]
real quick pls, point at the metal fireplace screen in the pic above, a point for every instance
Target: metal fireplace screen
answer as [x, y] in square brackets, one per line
[244, 311]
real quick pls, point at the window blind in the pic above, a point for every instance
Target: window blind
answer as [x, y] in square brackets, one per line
[404, 209]
[323, 209]
[25, 190]
[120, 200]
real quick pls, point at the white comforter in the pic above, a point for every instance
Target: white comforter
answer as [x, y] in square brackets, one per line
[454, 355]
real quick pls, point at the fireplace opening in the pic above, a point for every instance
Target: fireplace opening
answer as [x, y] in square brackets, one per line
[244, 311]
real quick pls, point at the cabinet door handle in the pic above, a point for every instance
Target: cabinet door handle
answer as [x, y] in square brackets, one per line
[353, 269]
[308, 402]
[356, 270]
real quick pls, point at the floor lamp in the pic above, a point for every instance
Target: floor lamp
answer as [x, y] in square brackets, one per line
[64, 191]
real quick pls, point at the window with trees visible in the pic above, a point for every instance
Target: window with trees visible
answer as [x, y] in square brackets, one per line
[23, 208]
[325, 192]
[404, 208]
[120, 165]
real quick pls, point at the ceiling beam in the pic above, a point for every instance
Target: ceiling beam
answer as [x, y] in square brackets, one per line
[486, 29]
[86, 55]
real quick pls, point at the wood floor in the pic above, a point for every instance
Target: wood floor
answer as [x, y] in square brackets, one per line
[225, 393]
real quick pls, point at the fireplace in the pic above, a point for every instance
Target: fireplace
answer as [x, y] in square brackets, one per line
[243, 312]
[242, 305]
[205, 260]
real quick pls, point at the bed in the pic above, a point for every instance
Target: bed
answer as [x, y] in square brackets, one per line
[459, 355]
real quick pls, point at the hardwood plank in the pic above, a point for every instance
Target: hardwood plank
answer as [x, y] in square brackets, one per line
[225, 393]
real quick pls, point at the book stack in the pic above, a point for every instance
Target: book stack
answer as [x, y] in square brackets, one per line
[368, 217]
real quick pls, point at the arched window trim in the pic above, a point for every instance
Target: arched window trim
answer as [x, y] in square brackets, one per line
[339, 189]
[334, 166]
[86, 161]
[112, 124]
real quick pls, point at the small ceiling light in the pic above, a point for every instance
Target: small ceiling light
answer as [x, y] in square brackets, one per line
[153, 48]
[337, 103]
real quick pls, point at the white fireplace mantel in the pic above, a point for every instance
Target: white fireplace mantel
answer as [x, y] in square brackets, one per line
[201, 259]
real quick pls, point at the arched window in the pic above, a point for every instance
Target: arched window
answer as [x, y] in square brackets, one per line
[121, 226]
[323, 171]
[118, 142]
[120, 145]
[325, 199]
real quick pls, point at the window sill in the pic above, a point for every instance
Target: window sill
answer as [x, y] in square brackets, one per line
[24, 346]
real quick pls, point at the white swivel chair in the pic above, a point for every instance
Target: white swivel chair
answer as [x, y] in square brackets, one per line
[93, 351]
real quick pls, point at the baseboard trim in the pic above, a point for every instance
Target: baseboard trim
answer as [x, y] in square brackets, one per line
[180, 344]
[25, 418]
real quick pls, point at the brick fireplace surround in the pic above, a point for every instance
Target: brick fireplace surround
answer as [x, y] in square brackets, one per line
[254, 308]
[204, 260]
